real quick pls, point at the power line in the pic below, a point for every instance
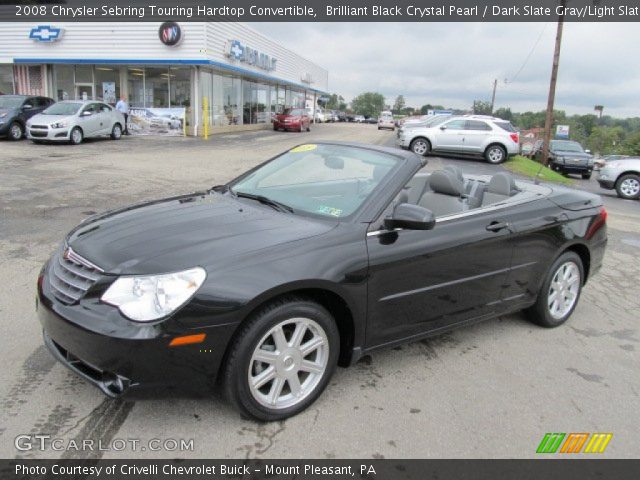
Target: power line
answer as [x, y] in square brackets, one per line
[526, 60]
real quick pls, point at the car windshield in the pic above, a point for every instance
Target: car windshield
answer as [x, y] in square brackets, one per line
[566, 146]
[63, 109]
[326, 180]
[292, 111]
[10, 102]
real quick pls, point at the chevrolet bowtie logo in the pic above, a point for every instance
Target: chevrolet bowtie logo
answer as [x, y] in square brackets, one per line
[45, 33]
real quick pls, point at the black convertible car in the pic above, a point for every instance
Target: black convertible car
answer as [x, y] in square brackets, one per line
[312, 259]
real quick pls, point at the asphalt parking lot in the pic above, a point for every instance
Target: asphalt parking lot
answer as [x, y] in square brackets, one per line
[491, 390]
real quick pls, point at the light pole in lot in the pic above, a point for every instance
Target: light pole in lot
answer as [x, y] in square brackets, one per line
[548, 122]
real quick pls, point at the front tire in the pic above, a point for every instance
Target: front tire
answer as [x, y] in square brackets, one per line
[420, 146]
[76, 136]
[282, 359]
[16, 131]
[495, 154]
[560, 292]
[628, 186]
[116, 132]
[586, 176]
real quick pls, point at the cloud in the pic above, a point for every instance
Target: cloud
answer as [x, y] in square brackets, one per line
[454, 63]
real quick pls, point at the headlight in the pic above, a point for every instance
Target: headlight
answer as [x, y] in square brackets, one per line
[145, 298]
[2, 115]
[61, 124]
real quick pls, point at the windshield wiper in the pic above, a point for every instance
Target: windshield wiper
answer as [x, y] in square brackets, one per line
[265, 200]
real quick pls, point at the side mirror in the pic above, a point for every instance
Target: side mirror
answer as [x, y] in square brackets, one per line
[411, 217]
[443, 127]
[87, 113]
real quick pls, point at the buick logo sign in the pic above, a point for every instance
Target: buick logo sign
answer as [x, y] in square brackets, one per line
[170, 33]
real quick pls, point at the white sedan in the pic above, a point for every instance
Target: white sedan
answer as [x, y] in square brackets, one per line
[73, 121]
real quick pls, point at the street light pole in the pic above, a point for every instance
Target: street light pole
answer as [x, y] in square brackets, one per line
[552, 87]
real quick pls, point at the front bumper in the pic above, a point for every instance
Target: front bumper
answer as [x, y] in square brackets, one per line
[48, 134]
[568, 167]
[113, 353]
[288, 125]
[402, 141]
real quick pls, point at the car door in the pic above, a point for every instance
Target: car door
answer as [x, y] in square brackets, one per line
[450, 135]
[105, 119]
[90, 123]
[29, 108]
[475, 135]
[421, 281]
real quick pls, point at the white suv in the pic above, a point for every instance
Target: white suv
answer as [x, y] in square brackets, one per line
[493, 138]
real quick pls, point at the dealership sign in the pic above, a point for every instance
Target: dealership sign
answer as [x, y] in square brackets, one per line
[45, 33]
[235, 50]
[170, 34]
[562, 131]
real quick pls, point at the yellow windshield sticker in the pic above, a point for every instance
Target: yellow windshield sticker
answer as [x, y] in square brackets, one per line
[335, 212]
[303, 148]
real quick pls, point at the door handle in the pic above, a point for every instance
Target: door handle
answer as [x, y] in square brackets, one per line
[497, 226]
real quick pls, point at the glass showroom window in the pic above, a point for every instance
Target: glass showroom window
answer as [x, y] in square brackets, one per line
[232, 100]
[64, 82]
[135, 82]
[156, 87]
[256, 102]
[6, 79]
[180, 87]
[107, 85]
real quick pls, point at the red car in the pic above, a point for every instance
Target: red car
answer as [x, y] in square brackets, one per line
[295, 119]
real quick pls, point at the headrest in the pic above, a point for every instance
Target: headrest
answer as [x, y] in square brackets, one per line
[503, 184]
[442, 181]
[457, 171]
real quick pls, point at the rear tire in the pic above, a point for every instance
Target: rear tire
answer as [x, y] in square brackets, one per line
[273, 341]
[76, 136]
[586, 176]
[16, 131]
[560, 292]
[495, 154]
[308, 128]
[628, 186]
[420, 146]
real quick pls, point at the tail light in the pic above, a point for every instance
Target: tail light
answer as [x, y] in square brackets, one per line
[599, 222]
[515, 137]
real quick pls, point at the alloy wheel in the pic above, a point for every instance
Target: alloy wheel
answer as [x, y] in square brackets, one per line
[15, 131]
[288, 363]
[564, 290]
[419, 147]
[495, 155]
[630, 187]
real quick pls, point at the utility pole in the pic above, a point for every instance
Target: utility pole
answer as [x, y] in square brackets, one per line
[493, 96]
[548, 123]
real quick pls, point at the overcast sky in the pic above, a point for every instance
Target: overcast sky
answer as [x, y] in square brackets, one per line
[454, 63]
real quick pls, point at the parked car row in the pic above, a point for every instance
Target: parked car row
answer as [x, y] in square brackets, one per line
[42, 119]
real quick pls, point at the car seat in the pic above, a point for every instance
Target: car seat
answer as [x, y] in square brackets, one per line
[501, 187]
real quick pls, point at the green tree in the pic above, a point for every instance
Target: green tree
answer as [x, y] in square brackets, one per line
[606, 140]
[399, 104]
[336, 102]
[368, 104]
[631, 145]
[505, 113]
[481, 108]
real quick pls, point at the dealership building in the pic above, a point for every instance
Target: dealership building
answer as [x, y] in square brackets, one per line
[226, 75]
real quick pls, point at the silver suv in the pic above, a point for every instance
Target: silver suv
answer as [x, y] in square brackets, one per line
[493, 138]
[622, 175]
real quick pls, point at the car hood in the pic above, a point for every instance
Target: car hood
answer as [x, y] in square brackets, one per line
[9, 111]
[187, 231]
[42, 119]
[563, 153]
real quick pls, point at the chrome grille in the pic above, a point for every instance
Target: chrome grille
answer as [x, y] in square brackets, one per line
[71, 276]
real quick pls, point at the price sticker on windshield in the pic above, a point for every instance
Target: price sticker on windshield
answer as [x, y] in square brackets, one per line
[303, 148]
